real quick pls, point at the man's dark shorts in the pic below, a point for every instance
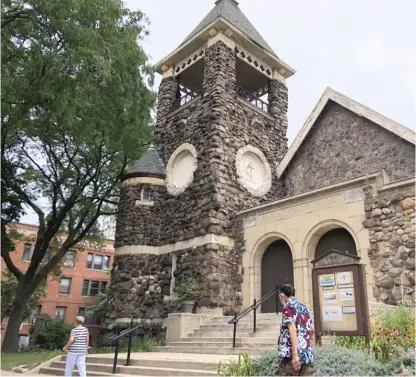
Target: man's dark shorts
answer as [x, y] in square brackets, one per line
[286, 369]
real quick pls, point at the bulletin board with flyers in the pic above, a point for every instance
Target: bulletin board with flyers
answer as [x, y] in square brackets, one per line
[340, 298]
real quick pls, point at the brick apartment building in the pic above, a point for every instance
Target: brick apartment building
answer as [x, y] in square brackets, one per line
[84, 274]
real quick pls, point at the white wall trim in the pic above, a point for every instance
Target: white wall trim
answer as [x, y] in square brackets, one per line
[177, 246]
[357, 108]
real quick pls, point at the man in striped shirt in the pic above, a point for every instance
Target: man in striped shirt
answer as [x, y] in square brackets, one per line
[76, 348]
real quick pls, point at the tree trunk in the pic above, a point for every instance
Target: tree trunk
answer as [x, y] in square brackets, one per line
[11, 337]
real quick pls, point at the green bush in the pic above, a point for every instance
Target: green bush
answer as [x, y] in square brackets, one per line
[54, 335]
[143, 345]
[392, 331]
[339, 361]
[243, 366]
[189, 290]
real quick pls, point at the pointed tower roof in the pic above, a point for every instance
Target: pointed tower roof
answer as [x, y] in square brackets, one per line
[148, 165]
[225, 18]
[229, 10]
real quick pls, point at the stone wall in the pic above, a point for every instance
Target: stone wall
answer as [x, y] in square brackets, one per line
[341, 146]
[390, 218]
[139, 224]
[139, 287]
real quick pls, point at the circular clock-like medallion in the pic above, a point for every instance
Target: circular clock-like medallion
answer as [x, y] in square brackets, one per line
[181, 167]
[253, 170]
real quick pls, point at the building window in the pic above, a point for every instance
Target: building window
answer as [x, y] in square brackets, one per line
[145, 194]
[82, 312]
[27, 253]
[33, 315]
[69, 259]
[65, 286]
[98, 262]
[47, 256]
[60, 313]
[93, 287]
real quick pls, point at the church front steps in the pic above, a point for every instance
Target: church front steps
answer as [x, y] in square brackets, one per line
[216, 337]
[102, 366]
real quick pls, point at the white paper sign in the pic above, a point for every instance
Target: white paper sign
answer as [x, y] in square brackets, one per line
[332, 313]
[346, 294]
[344, 277]
[330, 297]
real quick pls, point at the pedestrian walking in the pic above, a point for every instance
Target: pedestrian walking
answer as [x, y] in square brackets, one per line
[77, 348]
[294, 354]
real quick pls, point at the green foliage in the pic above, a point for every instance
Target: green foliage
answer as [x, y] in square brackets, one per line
[143, 345]
[392, 331]
[8, 293]
[54, 335]
[340, 361]
[28, 357]
[99, 310]
[75, 109]
[243, 366]
[189, 290]
[264, 364]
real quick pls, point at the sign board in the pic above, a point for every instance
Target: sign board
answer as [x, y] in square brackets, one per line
[340, 297]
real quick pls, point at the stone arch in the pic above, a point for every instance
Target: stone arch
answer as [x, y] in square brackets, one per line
[316, 233]
[255, 261]
[311, 241]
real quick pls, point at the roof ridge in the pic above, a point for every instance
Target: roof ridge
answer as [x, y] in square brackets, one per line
[231, 12]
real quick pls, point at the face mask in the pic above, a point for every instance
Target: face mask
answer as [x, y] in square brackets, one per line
[283, 302]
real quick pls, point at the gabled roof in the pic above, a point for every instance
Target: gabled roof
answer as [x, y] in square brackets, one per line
[148, 165]
[357, 108]
[229, 10]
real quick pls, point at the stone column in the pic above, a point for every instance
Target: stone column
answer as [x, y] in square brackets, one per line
[278, 104]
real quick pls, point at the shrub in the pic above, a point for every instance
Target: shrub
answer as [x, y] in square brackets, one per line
[143, 345]
[392, 330]
[189, 290]
[340, 361]
[54, 335]
[243, 366]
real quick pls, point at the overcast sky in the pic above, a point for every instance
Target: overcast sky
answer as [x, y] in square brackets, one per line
[363, 49]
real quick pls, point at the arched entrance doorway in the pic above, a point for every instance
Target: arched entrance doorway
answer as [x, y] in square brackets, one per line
[276, 267]
[336, 239]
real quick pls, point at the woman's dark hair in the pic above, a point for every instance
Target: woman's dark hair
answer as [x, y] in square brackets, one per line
[287, 290]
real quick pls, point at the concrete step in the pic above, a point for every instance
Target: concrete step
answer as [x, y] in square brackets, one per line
[213, 350]
[239, 326]
[228, 339]
[241, 332]
[61, 372]
[225, 344]
[139, 370]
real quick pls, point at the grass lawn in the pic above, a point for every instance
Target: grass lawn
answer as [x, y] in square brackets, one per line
[31, 359]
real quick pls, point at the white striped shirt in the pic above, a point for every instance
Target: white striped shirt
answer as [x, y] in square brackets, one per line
[80, 335]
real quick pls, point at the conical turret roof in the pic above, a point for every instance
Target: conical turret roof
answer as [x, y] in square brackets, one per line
[148, 165]
[229, 10]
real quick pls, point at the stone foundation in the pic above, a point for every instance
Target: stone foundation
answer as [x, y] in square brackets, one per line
[390, 218]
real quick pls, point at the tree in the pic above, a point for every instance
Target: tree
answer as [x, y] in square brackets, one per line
[75, 110]
[8, 291]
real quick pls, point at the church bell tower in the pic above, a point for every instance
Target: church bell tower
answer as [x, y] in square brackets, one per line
[220, 133]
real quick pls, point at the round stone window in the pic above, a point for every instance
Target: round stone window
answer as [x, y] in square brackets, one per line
[181, 167]
[253, 170]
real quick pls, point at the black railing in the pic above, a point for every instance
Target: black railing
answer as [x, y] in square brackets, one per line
[186, 95]
[253, 308]
[117, 337]
[253, 99]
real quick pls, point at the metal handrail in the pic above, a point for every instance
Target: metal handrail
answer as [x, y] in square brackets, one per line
[253, 308]
[188, 95]
[116, 338]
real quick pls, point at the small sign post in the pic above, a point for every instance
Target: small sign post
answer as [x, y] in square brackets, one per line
[340, 296]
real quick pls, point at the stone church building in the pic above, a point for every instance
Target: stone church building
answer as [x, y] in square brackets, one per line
[221, 198]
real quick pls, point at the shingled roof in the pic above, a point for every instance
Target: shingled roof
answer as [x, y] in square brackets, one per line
[229, 10]
[148, 165]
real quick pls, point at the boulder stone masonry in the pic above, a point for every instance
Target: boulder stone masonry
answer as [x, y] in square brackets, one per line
[217, 124]
[390, 219]
[343, 146]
